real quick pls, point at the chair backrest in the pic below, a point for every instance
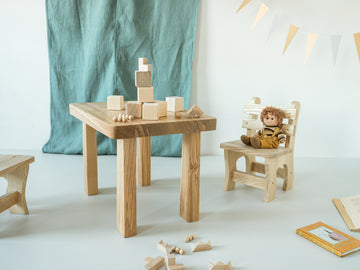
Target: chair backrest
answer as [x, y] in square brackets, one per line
[254, 123]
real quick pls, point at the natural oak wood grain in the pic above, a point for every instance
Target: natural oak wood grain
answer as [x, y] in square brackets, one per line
[154, 263]
[279, 162]
[143, 161]
[9, 199]
[344, 214]
[15, 170]
[96, 116]
[90, 160]
[126, 187]
[190, 177]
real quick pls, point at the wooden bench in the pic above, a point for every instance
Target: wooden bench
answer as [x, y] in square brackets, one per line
[279, 162]
[14, 169]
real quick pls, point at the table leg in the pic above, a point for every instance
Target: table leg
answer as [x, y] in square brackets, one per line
[190, 177]
[143, 161]
[90, 160]
[126, 187]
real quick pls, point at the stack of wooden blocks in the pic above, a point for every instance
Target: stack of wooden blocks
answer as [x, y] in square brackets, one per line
[146, 108]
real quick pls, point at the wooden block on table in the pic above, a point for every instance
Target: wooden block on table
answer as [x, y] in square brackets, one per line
[201, 246]
[142, 61]
[151, 111]
[143, 78]
[175, 104]
[176, 267]
[145, 94]
[134, 108]
[195, 110]
[219, 266]
[147, 67]
[115, 103]
[154, 263]
[163, 107]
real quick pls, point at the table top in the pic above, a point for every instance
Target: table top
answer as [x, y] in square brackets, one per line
[98, 117]
[12, 162]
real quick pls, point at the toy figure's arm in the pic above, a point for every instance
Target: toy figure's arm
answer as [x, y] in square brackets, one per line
[258, 134]
[281, 137]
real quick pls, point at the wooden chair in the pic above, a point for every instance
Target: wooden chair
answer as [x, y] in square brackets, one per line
[279, 162]
[15, 170]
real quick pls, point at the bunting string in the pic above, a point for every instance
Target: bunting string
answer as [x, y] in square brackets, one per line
[293, 30]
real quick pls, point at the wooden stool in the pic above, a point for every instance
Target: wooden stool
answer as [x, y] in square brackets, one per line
[15, 170]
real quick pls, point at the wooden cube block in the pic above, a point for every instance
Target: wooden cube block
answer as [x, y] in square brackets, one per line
[142, 61]
[145, 94]
[175, 104]
[143, 78]
[115, 103]
[163, 107]
[134, 108]
[151, 111]
[145, 67]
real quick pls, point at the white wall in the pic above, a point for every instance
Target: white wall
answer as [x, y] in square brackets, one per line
[234, 63]
[231, 64]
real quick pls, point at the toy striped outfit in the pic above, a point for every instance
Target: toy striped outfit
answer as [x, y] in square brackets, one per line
[271, 135]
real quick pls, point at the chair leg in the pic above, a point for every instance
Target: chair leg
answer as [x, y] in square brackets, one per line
[17, 182]
[249, 161]
[289, 179]
[270, 177]
[230, 165]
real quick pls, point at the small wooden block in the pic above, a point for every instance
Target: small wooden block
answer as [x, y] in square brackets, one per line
[145, 67]
[145, 94]
[219, 266]
[143, 78]
[164, 248]
[115, 103]
[170, 259]
[134, 108]
[151, 111]
[175, 104]
[176, 267]
[142, 61]
[154, 263]
[163, 108]
[195, 110]
[200, 246]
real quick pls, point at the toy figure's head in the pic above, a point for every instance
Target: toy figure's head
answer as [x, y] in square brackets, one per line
[271, 116]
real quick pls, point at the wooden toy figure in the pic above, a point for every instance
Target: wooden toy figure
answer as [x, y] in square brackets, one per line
[271, 135]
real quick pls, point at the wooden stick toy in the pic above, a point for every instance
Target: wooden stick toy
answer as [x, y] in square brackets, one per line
[123, 118]
[219, 266]
[154, 263]
[189, 238]
[201, 246]
[178, 250]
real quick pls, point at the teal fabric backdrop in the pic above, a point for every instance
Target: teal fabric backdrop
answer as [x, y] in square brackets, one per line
[93, 50]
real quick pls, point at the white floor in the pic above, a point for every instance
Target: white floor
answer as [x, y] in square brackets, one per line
[68, 230]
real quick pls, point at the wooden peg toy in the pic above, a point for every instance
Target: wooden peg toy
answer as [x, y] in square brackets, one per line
[115, 119]
[119, 119]
[178, 250]
[219, 266]
[189, 238]
[154, 263]
[201, 246]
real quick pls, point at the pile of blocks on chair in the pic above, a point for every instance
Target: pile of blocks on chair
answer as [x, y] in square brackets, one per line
[146, 107]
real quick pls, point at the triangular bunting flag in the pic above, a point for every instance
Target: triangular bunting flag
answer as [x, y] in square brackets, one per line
[310, 44]
[244, 3]
[335, 42]
[274, 24]
[292, 32]
[357, 43]
[262, 11]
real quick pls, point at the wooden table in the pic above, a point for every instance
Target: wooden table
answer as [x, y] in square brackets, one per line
[133, 157]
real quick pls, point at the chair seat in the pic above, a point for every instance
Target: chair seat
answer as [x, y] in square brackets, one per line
[239, 147]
